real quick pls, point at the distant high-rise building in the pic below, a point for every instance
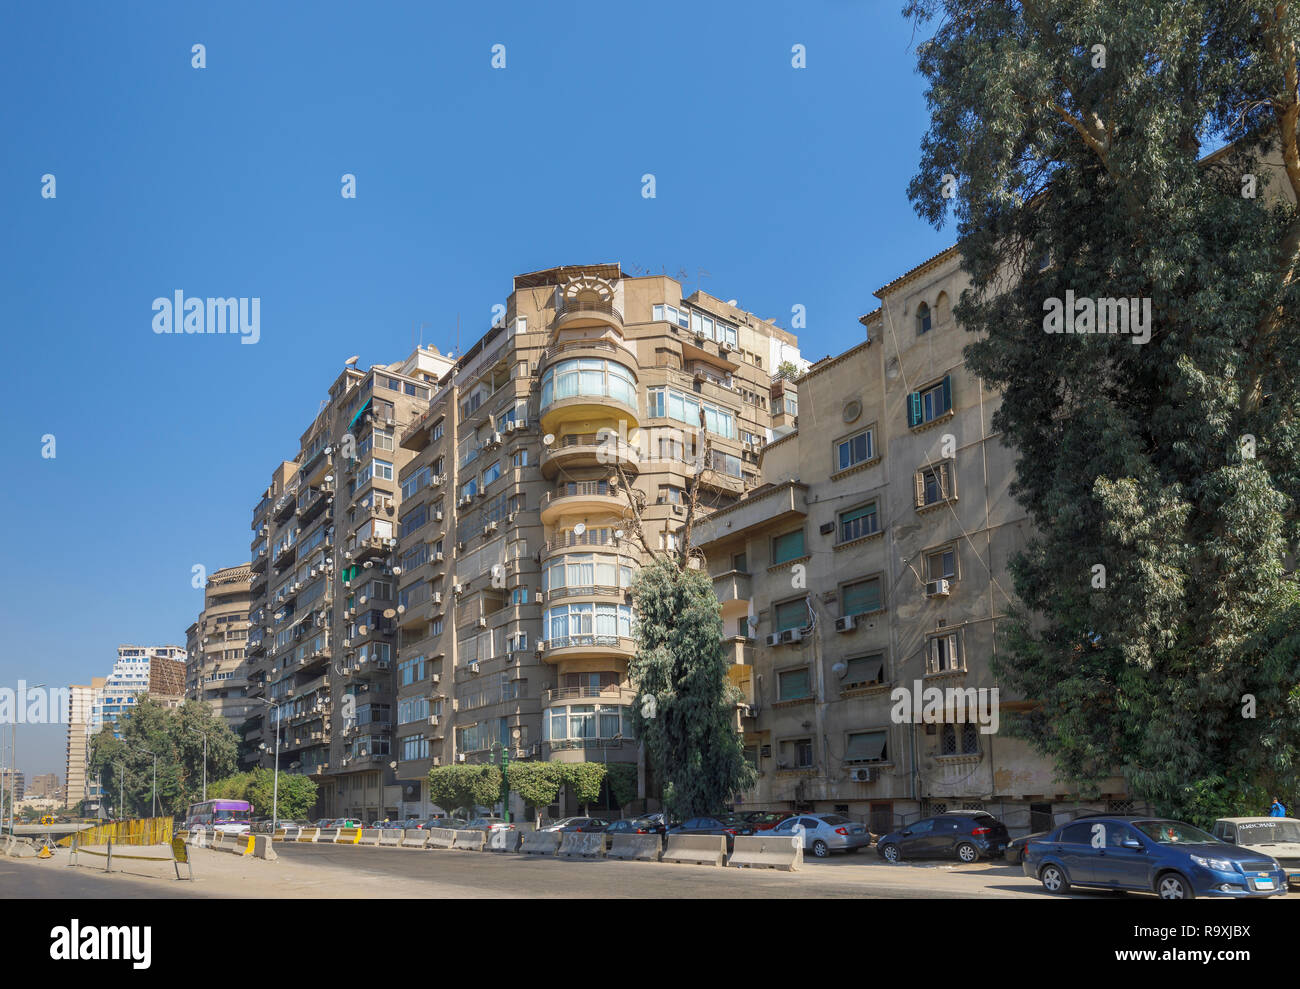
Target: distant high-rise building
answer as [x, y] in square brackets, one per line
[81, 703]
[45, 785]
[157, 670]
[216, 670]
[15, 779]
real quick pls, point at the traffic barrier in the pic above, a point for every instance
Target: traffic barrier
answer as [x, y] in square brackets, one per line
[636, 847]
[468, 841]
[328, 834]
[540, 843]
[348, 836]
[575, 844]
[442, 837]
[143, 831]
[503, 840]
[369, 836]
[390, 837]
[414, 839]
[263, 849]
[698, 849]
[767, 853]
[309, 834]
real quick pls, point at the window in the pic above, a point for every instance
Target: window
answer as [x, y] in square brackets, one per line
[438, 430]
[960, 739]
[941, 565]
[790, 614]
[944, 653]
[794, 685]
[740, 562]
[382, 469]
[855, 450]
[922, 319]
[787, 547]
[866, 746]
[859, 522]
[863, 670]
[492, 473]
[861, 597]
[935, 484]
[796, 753]
[588, 377]
[669, 403]
[928, 404]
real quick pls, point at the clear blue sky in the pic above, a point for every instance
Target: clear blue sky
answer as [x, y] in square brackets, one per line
[786, 186]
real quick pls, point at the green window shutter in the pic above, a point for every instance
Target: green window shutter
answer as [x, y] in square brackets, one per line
[947, 393]
[914, 409]
[862, 597]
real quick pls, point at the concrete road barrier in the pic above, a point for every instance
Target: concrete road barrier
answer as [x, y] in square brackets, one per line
[636, 847]
[574, 844]
[469, 841]
[441, 837]
[348, 836]
[503, 840]
[263, 848]
[390, 837]
[369, 836]
[698, 849]
[540, 843]
[415, 839]
[309, 834]
[328, 835]
[767, 853]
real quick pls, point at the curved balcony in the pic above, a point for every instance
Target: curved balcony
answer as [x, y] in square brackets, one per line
[587, 312]
[600, 695]
[589, 450]
[564, 648]
[582, 498]
[578, 409]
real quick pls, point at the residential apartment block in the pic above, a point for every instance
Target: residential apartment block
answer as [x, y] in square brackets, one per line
[514, 558]
[874, 556]
[321, 650]
[216, 670]
[81, 701]
[45, 785]
[13, 781]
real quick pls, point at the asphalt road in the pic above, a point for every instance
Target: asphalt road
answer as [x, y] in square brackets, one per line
[54, 880]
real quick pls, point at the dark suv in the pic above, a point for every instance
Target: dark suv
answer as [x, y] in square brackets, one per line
[966, 836]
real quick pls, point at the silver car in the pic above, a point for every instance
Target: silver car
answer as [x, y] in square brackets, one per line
[824, 833]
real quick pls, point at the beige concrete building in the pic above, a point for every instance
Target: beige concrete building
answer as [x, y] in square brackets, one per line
[874, 559]
[321, 649]
[45, 786]
[216, 669]
[81, 702]
[514, 556]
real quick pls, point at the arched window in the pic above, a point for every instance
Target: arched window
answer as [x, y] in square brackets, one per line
[922, 319]
[942, 308]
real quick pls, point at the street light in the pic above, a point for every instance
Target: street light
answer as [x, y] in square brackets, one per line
[275, 784]
[196, 731]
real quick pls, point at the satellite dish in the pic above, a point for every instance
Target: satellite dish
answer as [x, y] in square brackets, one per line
[401, 610]
[618, 533]
[389, 613]
[548, 439]
[329, 478]
[329, 450]
[579, 529]
[839, 669]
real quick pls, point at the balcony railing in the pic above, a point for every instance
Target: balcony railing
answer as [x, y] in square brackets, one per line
[565, 307]
[591, 641]
[571, 693]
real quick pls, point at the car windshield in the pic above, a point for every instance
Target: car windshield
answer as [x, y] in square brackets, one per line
[1267, 832]
[1173, 833]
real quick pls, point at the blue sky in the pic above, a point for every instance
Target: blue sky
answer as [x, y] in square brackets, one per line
[785, 186]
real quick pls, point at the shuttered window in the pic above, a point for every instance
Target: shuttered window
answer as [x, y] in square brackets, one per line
[866, 746]
[787, 547]
[861, 597]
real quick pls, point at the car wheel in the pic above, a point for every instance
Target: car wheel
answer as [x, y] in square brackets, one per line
[891, 853]
[1053, 879]
[1172, 886]
[967, 852]
[820, 849]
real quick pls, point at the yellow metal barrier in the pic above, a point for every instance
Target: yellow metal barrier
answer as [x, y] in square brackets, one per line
[144, 831]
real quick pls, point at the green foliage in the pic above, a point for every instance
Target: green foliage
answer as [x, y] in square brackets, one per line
[464, 787]
[584, 779]
[537, 782]
[1175, 465]
[622, 780]
[296, 797]
[787, 370]
[692, 739]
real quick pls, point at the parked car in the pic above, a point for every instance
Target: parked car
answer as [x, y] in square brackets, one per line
[632, 825]
[824, 833]
[716, 824]
[967, 836]
[488, 825]
[580, 824]
[1176, 861]
[1016, 849]
[1276, 837]
[765, 820]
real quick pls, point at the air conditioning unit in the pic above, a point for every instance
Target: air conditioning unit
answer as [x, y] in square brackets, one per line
[436, 481]
[482, 623]
[460, 547]
[490, 528]
[510, 519]
[774, 639]
[678, 510]
[390, 422]
[433, 719]
[936, 588]
[473, 667]
[508, 426]
[457, 589]
[437, 516]
[846, 624]
[438, 557]
[436, 678]
[437, 760]
[541, 645]
[436, 597]
[862, 775]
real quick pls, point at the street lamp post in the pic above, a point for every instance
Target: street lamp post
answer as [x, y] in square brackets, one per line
[205, 760]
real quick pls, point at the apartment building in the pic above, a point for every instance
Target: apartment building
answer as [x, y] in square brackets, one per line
[875, 557]
[216, 670]
[321, 649]
[81, 701]
[156, 670]
[514, 558]
[45, 786]
[13, 781]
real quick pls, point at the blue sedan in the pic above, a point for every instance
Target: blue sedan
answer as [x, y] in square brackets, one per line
[1173, 860]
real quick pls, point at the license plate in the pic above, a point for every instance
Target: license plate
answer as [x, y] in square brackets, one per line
[1263, 884]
